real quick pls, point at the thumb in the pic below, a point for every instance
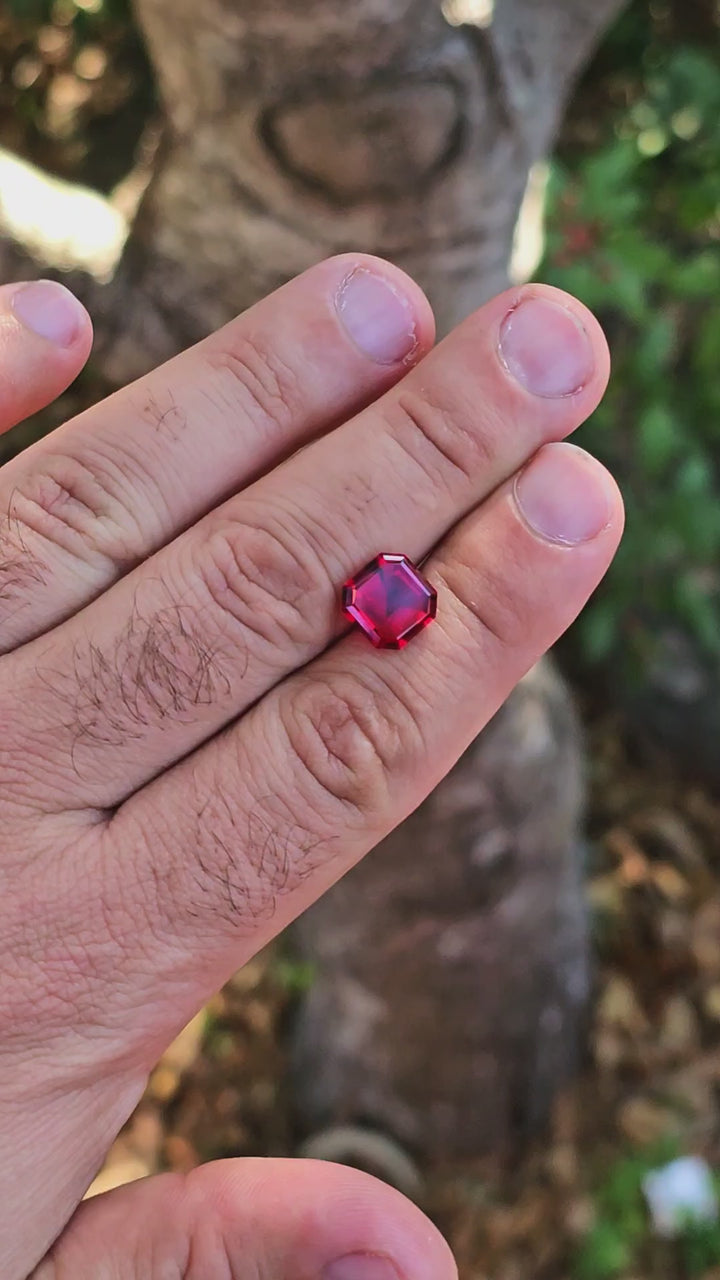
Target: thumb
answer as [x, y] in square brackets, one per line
[264, 1219]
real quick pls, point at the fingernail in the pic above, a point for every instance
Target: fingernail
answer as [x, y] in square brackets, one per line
[361, 1266]
[544, 346]
[565, 495]
[49, 310]
[376, 317]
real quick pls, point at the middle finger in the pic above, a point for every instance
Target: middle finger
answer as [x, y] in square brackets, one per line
[197, 634]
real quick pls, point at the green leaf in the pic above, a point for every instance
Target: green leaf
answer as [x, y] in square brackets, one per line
[660, 441]
[599, 629]
[296, 976]
[651, 271]
[694, 477]
[700, 610]
[603, 1255]
[700, 1247]
[697, 277]
[610, 170]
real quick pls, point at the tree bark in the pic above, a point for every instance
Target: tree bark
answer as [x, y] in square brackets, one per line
[296, 131]
[450, 967]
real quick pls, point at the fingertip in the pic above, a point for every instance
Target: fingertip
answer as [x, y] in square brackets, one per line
[418, 300]
[324, 1220]
[598, 375]
[48, 310]
[567, 497]
[384, 312]
[551, 350]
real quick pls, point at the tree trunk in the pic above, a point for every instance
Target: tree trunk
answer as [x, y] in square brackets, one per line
[295, 131]
[451, 966]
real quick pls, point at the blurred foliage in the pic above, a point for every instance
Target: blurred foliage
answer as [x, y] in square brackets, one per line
[621, 1234]
[293, 976]
[621, 1221]
[634, 230]
[76, 87]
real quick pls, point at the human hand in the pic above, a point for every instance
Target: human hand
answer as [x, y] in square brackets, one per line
[193, 749]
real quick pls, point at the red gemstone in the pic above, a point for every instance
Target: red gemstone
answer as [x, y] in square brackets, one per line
[390, 600]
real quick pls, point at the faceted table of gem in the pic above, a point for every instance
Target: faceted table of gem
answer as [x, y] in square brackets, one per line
[390, 600]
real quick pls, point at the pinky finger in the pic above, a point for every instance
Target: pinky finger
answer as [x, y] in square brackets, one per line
[45, 339]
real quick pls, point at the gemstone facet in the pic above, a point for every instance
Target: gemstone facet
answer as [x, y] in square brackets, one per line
[390, 600]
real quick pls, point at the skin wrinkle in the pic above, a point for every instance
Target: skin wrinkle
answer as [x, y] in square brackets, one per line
[257, 574]
[420, 425]
[269, 389]
[79, 506]
[132, 485]
[320, 526]
[348, 732]
[69, 504]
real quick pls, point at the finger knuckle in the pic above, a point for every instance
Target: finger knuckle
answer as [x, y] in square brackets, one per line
[77, 505]
[265, 581]
[249, 374]
[443, 438]
[348, 739]
[493, 601]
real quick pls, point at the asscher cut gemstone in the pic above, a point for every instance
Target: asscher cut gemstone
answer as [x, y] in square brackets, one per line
[390, 600]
